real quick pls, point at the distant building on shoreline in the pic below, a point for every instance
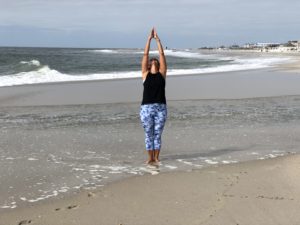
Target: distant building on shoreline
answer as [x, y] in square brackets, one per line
[265, 45]
[290, 46]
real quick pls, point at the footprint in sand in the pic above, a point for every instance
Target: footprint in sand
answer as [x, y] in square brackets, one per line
[91, 194]
[24, 222]
[271, 198]
[68, 207]
[72, 207]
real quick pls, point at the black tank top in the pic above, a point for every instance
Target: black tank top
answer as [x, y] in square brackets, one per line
[154, 89]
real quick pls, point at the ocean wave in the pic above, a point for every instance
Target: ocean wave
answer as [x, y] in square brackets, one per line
[33, 62]
[105, 51]
[48, 75]
[238, 65]
[187, 54]
[192, 54]
[182, 54]
[261, 61]
[168, 52]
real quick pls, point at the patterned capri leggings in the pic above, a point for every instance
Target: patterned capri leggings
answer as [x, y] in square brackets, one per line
[153, 118]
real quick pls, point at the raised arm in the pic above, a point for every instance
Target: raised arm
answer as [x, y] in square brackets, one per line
[162, 58]
[146, 56]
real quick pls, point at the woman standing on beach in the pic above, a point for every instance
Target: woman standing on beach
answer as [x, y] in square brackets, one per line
[153, 111]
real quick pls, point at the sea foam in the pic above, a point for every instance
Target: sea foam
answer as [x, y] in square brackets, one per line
[33, 62]
[105, 51]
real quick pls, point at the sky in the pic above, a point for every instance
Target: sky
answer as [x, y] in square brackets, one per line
[127, 23]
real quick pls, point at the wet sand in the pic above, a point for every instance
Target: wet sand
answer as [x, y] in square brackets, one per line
[255, 192]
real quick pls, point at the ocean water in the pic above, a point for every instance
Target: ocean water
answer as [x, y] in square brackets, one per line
[19, 66]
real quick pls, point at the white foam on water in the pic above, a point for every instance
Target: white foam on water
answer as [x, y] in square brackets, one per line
[228, 161]
[33, 62]
[115, 172]
[253, 153]
[11, 205]
[133, 172]
[10, 158]
[171, 167]
[100, 157]
[90, 188]
[91, 152]
[262, 61]
[248, 64]
[32, 159]
[186, 53]
[149, 169]
[95, 166]
[209, 161]
[78, 169]
[189, 163]
[43, 197]
[116, 168]
[277, 151]
[271, 156]
[105, 51]
[47, 75]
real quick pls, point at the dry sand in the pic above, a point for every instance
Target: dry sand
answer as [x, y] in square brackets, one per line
[254, 192]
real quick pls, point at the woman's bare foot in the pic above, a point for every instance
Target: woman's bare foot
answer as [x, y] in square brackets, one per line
[156, 162]
[149, 161]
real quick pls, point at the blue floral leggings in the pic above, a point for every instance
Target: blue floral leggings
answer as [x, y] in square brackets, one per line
[153, 118]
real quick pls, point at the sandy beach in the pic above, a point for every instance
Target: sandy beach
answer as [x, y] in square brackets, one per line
[255, 116]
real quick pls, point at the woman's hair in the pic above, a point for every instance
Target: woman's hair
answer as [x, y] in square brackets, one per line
[153, 59]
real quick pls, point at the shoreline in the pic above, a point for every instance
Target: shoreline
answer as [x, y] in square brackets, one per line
[214, 194]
